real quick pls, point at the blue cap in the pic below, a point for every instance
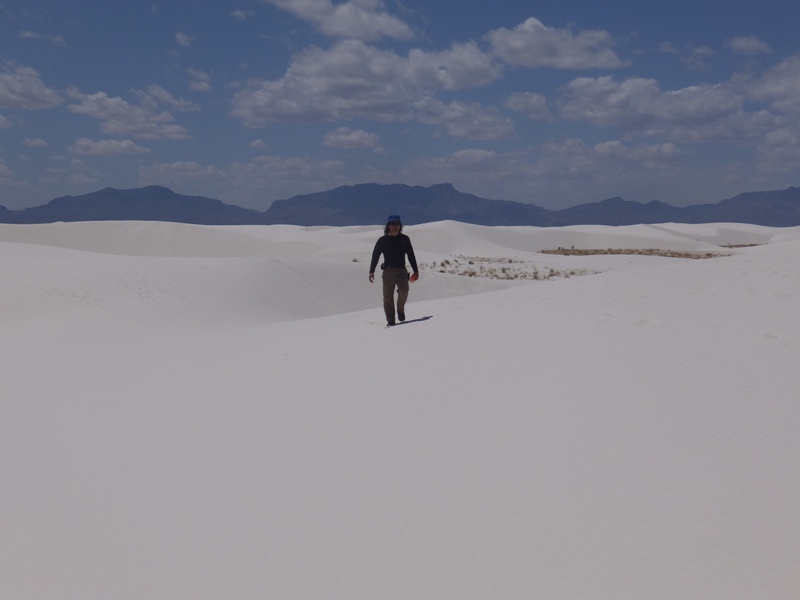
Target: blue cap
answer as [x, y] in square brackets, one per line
[393, 218]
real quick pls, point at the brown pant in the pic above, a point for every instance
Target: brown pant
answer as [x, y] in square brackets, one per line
[394, 278]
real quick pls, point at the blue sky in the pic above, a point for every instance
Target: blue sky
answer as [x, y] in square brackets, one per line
[250, 101]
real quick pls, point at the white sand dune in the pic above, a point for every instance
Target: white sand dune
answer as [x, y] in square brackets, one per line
[219, 412]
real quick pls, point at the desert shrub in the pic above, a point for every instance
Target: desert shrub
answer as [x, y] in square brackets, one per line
[505, 268]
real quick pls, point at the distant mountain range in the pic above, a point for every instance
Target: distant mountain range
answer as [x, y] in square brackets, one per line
[369, 204]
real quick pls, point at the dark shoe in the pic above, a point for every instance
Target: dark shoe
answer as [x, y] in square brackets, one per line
[390, 323]
[401, 316]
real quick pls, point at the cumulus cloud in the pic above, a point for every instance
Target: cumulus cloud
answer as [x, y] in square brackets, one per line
[779, 87]
[698, 59]
[201, 80]
[121, 118]
[605, 101]
[35, 143]
[749, 45]
[349, 80]
[567, 168]
[241, 182]
[530, 104]
[483, 172]
[258, 144]
[56, 40]
[241, 14]
[576, 156]
[82, 179]
[344, 137]
[353, 80]
[5, 172]
[21, 88]
[184, 39]
[534, 45]
[467, 120]
[641, 172]
[469, 161]
[286, 176]
[181, 174]
[355, 19]
[637, 105]
[461, 66]
[653, 155]
[155, 96]
[779, 151]
[74, 171]
[89, 147]
[694, 58]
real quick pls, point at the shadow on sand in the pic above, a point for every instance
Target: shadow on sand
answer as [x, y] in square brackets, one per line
[420, 320]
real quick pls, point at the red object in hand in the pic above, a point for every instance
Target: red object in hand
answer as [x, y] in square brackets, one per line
[414, 277]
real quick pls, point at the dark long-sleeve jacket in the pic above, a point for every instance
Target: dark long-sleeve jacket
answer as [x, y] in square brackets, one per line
[394, 249]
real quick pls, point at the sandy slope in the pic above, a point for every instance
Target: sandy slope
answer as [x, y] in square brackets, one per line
[197, 412]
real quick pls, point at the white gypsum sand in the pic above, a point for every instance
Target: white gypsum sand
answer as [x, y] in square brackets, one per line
[219, 412]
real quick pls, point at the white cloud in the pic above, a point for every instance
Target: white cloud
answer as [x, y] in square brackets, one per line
[362, 20]
[344, 137]
[21, 88]
[201, 80]
[240, 183]
[313, 11]
[258, 145]
[461, 66]
[5, 172]
[694, 58]
[184, 39]
[654, 155]
[479, 171]
[534, 45]
[354, 80]
[349, 80]
[465, 120]
[779, 87]
[697, 58]
[181, 174]
[701, 112]
[470, 161]
[531, 104]
[82, 179]
[749, 45]
[779, 151]
[285, 177]
[156, 96]
[4, 123]
[69, 172]
[668, 48]
[120, 118]
[355, 19]
[35, 143]
[571, 168]
[88, 147]
[473, 156]
[635, 172]
[56, 40]
[242, 15]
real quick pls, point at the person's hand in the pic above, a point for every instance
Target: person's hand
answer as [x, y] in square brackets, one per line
[371, 277]
[414, 277]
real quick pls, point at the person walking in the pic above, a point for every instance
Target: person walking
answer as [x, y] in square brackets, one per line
[395, 246]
